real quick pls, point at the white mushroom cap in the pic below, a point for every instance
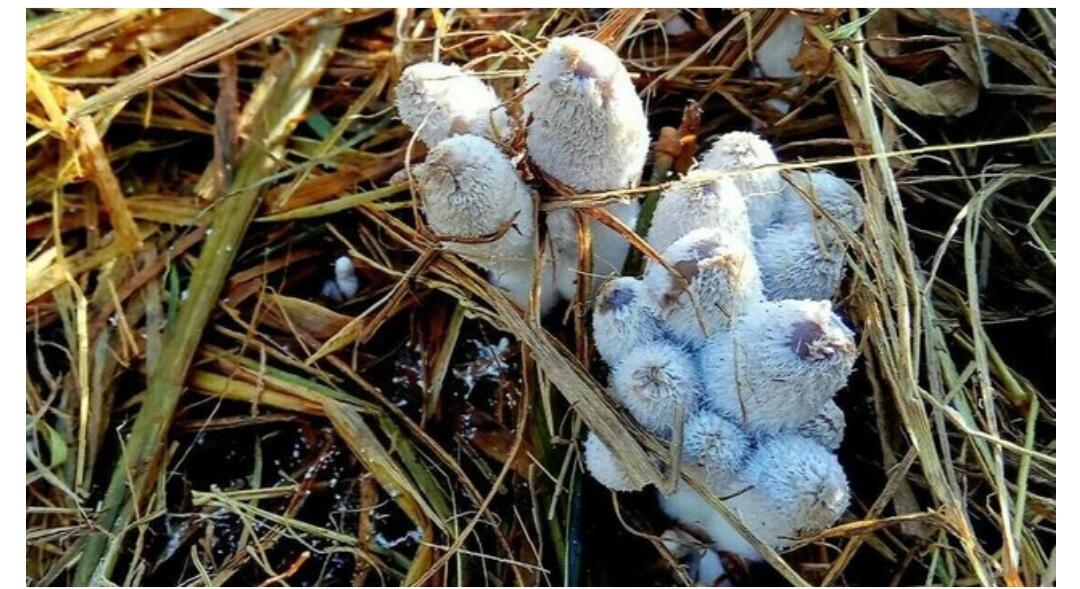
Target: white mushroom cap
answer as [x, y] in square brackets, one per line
[699, 200]
[604, 467]
[779, 366]
[470, 189]
[830, 192]
[653, 380]
[515, 279]
[719, 281]
[827, 427]
[715, 444]
[762, 189]
[448, 101]
[800, 261]
[588, 128]
[800, 480]
[622, 319]
[609, 249]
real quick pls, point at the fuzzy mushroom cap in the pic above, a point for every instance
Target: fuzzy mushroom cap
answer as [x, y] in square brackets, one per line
[715, 444]
[653, 381]
[829, 192]
[699, 200]
[438, 101]
[622, 319]
[588, 128]
[801, 480]
[604, 467]
[801, 261]
[470, 189]
[741, 151]
[779, 366]
[827, 427]
[717, 280]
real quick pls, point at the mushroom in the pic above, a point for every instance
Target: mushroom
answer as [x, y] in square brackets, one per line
[834, 196]
[653, 381]
[514, 278]
[800, 261]
[763, 189]
[717, 279]
[715, 444]
[779, 365]
[622, 319]
[437, 101]
[827, 427]
[604, 467]
[344, 285]
[699, 200]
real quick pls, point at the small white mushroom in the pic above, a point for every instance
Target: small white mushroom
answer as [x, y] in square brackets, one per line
[792, 486]
[653, 381]
[715, 444]
[437, 101]
[780, 364]
[773, 56]
[717, 280]
[344, 285]
[827, 427]
[762, 188]
[604, 467]
[515, 279]
[622, 319]
[827, 191]
[697, 201]
[800, 261]
[471, 190]
[609, 249]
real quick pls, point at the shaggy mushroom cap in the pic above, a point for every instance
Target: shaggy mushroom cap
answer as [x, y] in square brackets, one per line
[471, 190]
[715, 444]
[829, 192]
[604, 467]
[763, 189]
[779, 366]
[827, 427]
[437, 101]
[653, 381]
[801, 261]
[588, 128]
[717, 280]
[699, 200]
[800, 480]
[622, 319]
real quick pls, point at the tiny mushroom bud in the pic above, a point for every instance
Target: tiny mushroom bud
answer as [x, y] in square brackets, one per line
[717, 279]
[698, 201]
[653, 382]
[345, 276]
[622, 319]
[604, 467]
[800, 261]
[830, 193]
[780, 364]
[740, 153]
[437, 101]
[471, 191]
[827, 427]
[588, 131]
[715, 444]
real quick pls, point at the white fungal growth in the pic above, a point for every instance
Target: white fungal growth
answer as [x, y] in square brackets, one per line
[604, 467]
[345, 276]
[773, 57]
[800, 481]
[653, 381]
[715, 444]
[471, 190]
[698, 201]
[763, 189]
[827, 191]
[622, 319]
[588, 128]
[827, 427]
[438, 101]
[800, 261]
[717, 279]
[780, 364]
[514, 278]
[792, 486]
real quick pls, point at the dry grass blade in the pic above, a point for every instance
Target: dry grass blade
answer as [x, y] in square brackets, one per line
[229, 38]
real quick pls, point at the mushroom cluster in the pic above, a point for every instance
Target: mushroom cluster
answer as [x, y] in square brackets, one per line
[730, 340]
